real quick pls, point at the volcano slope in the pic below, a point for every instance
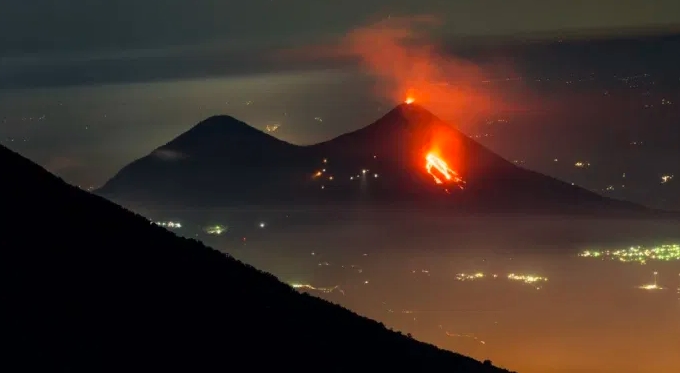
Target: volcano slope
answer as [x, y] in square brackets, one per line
[224, 162]
[94, 287]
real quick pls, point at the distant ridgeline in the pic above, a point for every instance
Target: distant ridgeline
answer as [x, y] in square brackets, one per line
[408, 157]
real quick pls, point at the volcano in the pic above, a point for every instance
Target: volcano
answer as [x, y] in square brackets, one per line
[409, 157]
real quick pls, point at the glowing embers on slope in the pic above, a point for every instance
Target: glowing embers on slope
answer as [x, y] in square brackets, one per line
[638, 254]
[440, 171]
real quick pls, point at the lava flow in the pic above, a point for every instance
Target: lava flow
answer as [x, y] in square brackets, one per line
[436, 163]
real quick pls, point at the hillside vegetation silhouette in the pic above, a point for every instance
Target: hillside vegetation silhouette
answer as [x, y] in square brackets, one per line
[89, 286]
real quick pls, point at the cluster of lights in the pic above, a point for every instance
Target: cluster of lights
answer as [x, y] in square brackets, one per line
[582, 164]
[169, 224]
[638, 254]
[527, 279]
[652, 286]
[435, 166]
[322, 174]
[215, 230]
[470, 276]
[272, 128]
[329, 290]
[471, 336]
[666, 178]
[363, 173]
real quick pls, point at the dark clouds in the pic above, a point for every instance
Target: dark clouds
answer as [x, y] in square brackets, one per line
[49, 25]
[76, 25]
[48, 42]
[134, 66]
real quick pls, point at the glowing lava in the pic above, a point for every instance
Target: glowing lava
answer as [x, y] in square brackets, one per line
[409, 100]
[436, 163]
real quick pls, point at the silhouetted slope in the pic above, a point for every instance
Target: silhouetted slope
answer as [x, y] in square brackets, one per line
[216, 172]
[89, 286]
[399, 141]
[217, 159]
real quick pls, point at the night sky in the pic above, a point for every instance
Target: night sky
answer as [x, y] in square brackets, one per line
[88, 86]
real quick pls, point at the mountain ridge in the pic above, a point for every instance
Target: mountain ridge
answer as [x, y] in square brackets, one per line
[78, 298]
[393, 147]
[218, 127]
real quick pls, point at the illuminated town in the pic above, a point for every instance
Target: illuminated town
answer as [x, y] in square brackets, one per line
[527, 279]
[169, 224]
[270, 128]
[215, 230]
[327, 290]
[637, 254]
[469, 277]
[654, 285]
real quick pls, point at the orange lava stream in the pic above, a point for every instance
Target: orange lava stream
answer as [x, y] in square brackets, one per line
[436, 163]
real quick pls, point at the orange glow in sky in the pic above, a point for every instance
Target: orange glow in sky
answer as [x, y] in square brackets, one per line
[399, 54]
[436, 166]
[404, 59]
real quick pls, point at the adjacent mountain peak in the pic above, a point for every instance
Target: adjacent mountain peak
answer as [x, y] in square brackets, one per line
[217, 132]
[219, 124]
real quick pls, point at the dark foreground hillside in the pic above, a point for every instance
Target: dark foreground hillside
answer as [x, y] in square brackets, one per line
[88, 286]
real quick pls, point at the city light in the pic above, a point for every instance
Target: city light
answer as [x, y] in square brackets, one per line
[326, 290]
[637, 254]
[169, 224]
[654, 285]
[469, 277]
[215, 230]
[528, 279]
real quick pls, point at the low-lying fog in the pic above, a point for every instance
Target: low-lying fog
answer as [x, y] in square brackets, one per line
[511, 289]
